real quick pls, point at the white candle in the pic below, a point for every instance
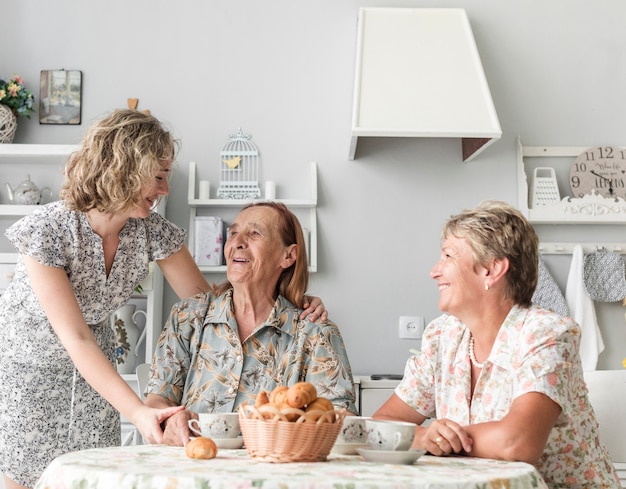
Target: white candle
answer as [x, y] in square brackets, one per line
[270, 190]
[205, 190]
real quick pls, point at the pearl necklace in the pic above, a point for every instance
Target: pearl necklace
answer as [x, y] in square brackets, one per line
[472, 356]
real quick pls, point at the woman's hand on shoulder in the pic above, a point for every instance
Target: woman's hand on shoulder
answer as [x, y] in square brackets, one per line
[315, 309]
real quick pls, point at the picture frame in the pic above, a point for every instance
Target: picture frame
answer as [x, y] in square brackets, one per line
[60, 93]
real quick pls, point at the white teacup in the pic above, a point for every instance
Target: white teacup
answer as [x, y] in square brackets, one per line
[385, 434]
[353, 430]
[216, 425]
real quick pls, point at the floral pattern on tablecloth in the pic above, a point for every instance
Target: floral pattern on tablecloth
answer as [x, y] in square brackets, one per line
[162, 467]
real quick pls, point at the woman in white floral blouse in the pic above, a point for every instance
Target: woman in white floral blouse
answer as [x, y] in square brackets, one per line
[499, 377]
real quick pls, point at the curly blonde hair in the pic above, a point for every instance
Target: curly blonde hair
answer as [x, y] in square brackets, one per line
[118, 158]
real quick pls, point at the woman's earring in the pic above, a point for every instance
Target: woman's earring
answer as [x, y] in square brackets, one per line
[486, 286]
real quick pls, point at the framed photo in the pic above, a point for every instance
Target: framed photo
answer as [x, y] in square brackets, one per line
[60, 96]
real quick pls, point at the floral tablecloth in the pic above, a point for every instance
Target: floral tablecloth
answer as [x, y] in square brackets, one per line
[163, 467]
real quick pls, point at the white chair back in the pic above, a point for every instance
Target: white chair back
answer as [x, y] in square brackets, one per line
[607, 394]
[143, 374]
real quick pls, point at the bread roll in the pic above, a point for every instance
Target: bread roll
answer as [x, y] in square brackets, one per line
[201, 447]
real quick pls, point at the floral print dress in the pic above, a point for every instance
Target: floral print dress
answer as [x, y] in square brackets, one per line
[536, 350]
[46, 407]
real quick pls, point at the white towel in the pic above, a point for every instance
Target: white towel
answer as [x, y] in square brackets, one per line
[583, 310]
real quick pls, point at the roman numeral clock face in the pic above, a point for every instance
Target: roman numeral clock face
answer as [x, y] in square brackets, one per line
[602, 169]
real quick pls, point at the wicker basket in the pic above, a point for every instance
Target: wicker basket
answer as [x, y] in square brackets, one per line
[309, 439]
[8, 124]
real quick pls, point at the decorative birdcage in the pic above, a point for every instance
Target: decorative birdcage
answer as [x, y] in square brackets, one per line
[239, 168]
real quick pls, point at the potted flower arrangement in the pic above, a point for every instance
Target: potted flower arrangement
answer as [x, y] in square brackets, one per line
[15, 100]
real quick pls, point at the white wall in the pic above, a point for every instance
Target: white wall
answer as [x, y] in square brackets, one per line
[283, 71]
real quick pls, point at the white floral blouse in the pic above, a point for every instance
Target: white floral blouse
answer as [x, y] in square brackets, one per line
[535, 351]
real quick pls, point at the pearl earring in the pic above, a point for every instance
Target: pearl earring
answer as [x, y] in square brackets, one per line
[486, 286]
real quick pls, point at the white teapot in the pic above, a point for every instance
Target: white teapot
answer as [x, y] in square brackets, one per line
[26, 193]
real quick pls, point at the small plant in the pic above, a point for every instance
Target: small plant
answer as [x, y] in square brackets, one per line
[16, 97]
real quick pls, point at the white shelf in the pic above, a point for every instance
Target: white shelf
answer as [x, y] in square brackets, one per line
[310, 204]
[590, 209]
[234, 203]
[8, 257]
[24, 150]
[50, 151]
[16, 210]
[559, 248]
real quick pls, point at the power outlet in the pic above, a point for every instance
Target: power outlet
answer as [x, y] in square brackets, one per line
[411, 327]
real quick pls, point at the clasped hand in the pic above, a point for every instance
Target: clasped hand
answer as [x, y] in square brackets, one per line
[149, 421]
[444, 437]
[176, 428]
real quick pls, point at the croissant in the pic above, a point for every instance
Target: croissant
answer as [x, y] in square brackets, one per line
[279, 395]
[261, 398]
[201, 447]
[321, 406]
[301, 394]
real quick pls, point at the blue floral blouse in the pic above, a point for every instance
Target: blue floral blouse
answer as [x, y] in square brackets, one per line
[201, 363]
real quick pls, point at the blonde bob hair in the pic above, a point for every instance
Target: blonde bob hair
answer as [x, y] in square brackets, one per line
[495, 229]
[118, 159]
[294, 281]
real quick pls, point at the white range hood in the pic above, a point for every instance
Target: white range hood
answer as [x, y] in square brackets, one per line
[419, 74]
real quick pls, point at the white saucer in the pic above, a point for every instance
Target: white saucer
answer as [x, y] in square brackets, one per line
[391, 456]
[229, 443]
[347, 448]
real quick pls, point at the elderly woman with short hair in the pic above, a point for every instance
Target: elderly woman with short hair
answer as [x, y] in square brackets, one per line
[500, 378]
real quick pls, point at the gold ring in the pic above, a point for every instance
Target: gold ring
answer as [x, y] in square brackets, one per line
[438, 440]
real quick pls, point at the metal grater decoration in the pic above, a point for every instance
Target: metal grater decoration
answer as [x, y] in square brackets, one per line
[239, 168]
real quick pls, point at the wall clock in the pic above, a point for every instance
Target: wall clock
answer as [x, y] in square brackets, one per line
[603, 169]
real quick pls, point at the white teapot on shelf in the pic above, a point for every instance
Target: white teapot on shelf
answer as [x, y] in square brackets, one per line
[27, 193]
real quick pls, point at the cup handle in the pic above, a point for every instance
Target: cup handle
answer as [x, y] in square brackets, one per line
[43, 192]
[142, 336]
[397, 440]
[192, 426]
